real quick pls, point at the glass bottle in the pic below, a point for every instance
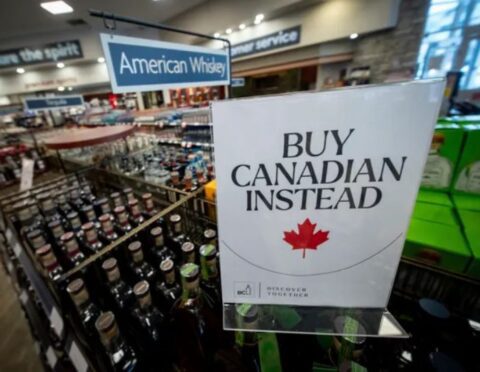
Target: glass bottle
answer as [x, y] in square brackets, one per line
[63, 205]
[246, 342]
[188, 184]
[210, 172]
[49, 262]
[25, 218]
[75, 223]
[122, 293]
[75, 199]
[177, 235]
[36, 239]
[116, 199]
[48, 208]
[71, 248]
[210, 237]
[148, 205]
[91, 237]
[201, 179]
[87, 310]
[56, 230]
[121, 355]
[106, 224]
[188, 252]
[175, 180]
[169, 290]
[160, 251]
[128, 192]
[102, 206]
[210, 281]
[135, 213]
[123, 223]
[90, 215]
[140, 268]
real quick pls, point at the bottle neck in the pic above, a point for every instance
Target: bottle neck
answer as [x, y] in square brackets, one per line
[191, 290]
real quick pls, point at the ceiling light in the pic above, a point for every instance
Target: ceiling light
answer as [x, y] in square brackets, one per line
[228, 31]
[57, 7]
[257, 21]
[101, 60]
[70, 89]
[216, 35]
[242, 26]
[353, 36]
[60, 65]
[20, 70]
[61, 89]
[259, 18]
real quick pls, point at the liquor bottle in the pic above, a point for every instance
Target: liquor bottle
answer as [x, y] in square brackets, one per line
[75, 224]
[48, 208]
[102, 206]
[75, 199]
[91, 237]
[62, 204]
[159, 250]
[123, 223]
[201, 179]
[71, 248]
[135, 213]
[246, 342]
[128, 192]
[86, 192]
[56, 230]
[152, 322]
[210, 172]
[108, 231]
[141, 269]
[36, 239]
[122, 293]
[210, 281]
[175, 180]
[87, 310]
[148, 205]
[49, 262]
[121, 355]
[210, 237]
[169, 290]
[176, 230]
[188, 252]
[25, 219]
[116, 199]
[188, 184]
[89, 215]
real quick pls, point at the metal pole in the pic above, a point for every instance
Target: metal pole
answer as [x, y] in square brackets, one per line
[138, 22]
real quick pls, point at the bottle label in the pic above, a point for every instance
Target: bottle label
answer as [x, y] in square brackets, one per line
[123, 219]
[105, 208]
[50, 262]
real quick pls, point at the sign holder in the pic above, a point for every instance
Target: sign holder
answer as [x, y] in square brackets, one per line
[117, 18]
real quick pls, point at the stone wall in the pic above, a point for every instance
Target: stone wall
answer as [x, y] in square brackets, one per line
[394, 50]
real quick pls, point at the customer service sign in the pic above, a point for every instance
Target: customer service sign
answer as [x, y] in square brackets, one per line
[315, 191]
[136, 65]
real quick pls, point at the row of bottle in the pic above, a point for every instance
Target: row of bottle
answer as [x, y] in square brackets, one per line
[11, 165]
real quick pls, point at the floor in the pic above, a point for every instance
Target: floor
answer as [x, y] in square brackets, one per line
[17, 351]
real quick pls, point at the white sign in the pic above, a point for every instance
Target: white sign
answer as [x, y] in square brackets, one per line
[315, 191]
[26, 180]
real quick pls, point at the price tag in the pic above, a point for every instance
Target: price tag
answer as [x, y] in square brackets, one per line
[23, 297]
[77, 358]
[51, 357]
[26, 181]
[57, 322]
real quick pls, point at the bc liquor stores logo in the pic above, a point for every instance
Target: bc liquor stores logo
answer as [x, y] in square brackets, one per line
[245, 289]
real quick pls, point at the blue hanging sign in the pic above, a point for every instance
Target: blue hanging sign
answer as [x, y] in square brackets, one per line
[52, 103]
[137, 65]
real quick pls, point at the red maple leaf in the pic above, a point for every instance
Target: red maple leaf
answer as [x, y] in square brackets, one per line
[306, 238]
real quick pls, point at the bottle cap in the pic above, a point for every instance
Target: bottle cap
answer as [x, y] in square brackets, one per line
[167, 265]
[188, 247]
[119, 209]
[109, 264]
[104, 217]
[147, 195]
[44, 250]
[75, 286]
[87, 226]
[105, 322]
[209, 234]
[174, 218]
[189, 272]
[67, 236]
[135, 246]
[141, 288]
[156, 231]
[208, 251]
[248, 312]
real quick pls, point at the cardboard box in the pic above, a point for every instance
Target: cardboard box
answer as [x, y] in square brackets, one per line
[437, 245]
[434, 197]
[435, 213]
[467, 175]
[444, 154]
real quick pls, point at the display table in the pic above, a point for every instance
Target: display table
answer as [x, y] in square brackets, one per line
[88, 137]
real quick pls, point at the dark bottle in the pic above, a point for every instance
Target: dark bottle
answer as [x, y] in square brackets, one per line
[102, 206]
[36, 239]
[177, 235]
[128, 192]
[188, 252]
[86, 192]
[75, 199]
[210, 172]
[122, 293]
[48, 208]
[169, 290]
[63, 205]
[188, 184]
[89, 215]
[116, 199]
[246, 342]
[123, 223]
[210, 281]
[140, 268]
[87, 310]
[210, 237]
[71, 248]
[25, 218]
[159, 250]
[91, 237]
[148, 205]
[75, 223]
[108, 231]
[56, 230]
[121, 355]
[49, 262]
[135, 213]
[175, 180]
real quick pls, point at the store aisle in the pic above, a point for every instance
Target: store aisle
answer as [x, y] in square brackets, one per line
[17, 351]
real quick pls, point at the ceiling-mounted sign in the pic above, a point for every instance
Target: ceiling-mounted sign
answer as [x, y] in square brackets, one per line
[136, 65]
[314, 208]
[52, 103]
[279, 39]
[52, 52]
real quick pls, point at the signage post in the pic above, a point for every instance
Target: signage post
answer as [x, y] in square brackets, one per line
[313, 210]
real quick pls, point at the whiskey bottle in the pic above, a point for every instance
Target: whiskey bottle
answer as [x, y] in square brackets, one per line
[49, 262]
[91, 237]
[210, 281]
[246, 342]
[102, 206]
[36, 239]
[107, 229]
[75, 199]
[177, 235]
[56, 231]
[116, 199]
[128, 192]
[201, 179]
[169, 290]
[160, 251]
[71, 248]
[121, 292]
[141, 269]
[62, 204]
[188, 252]
[75, 223]
[188, 184]
[135, 213]
[48, 208]
[210, 237]
[123, 223]
[86, 309]
[121, 355]
[148, 205]
[89, 215]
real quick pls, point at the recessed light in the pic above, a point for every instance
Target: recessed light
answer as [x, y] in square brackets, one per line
[70, 89]
[228, 31]
[57, 7]
[353, 36]
[61, 89]
[101, 60]
[60, 65]
[20, 70]
[216, 35]
[242, 26]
